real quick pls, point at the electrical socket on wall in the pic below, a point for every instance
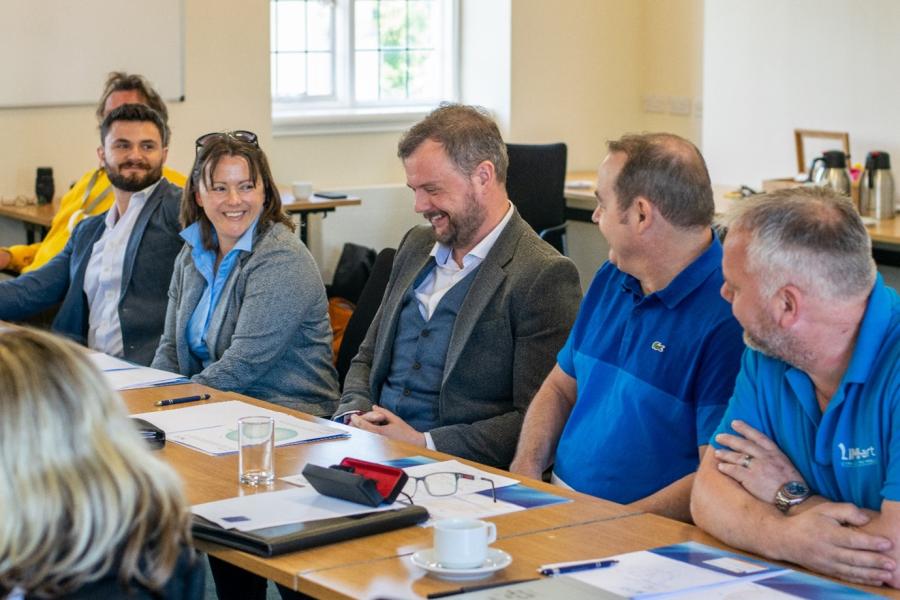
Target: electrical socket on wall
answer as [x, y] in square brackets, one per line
[655, 104]
[679, 105]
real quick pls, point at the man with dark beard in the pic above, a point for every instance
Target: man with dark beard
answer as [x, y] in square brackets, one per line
[113, 273]
[92, 193]
[476, 307]
[807, 460]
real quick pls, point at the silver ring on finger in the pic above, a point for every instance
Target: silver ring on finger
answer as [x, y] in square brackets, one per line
[746, 461]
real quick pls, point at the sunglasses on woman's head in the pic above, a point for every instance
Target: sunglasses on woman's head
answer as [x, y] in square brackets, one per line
[240, 135]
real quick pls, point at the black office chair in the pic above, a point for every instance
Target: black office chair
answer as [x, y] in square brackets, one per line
[536, 182]
[366, 307]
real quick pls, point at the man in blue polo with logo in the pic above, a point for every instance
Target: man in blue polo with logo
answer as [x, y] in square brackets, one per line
[650, 363]
[807, 465]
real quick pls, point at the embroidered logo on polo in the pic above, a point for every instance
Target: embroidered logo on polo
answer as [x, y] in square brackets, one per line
[658, 346]
[857, 457]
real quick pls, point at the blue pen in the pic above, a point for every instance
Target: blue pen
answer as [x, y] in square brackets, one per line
[575, 567]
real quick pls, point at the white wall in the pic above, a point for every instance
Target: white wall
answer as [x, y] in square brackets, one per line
[771, 66]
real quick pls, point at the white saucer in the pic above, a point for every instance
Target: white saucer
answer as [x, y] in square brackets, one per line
[496, 560]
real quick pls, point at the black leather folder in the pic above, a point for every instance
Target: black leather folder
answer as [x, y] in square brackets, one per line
[272, 541]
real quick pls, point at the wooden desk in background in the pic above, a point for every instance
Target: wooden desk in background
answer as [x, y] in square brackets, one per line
[314, 204]
[35, 217]
[580, 203]
[379, 565]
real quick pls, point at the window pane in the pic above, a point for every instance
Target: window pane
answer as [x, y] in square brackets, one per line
[367, 76]
[424, 75]
[392, 23]
[320, 77]
[291, 74]
[393, 75]
[392, 49]
[319, 25]
[291, 26]
[366, 24]
[424, 19]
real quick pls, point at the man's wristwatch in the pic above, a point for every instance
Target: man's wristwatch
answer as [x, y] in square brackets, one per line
[791, 493]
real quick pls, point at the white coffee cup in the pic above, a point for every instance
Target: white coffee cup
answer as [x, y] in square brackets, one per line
[302, 190]
[462, 543]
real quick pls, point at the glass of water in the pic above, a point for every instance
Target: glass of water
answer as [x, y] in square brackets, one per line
[256, 459]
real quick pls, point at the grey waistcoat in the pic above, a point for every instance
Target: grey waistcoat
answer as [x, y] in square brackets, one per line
[413, 385]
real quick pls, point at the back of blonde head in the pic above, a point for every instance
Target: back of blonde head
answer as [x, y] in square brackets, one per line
[81, 493]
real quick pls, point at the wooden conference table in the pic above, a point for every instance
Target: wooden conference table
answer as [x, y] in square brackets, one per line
[379, 565]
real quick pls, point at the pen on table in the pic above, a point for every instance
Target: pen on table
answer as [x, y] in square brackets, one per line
[172, 401]
[575, 567]
[475, 588]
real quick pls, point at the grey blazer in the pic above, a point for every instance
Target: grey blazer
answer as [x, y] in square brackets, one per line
[269, 335]
[510, 327]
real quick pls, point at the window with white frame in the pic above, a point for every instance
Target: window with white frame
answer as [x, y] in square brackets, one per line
[360, 64]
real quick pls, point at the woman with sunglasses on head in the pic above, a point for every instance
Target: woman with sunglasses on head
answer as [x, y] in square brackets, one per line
[86, 511]
[247, 308]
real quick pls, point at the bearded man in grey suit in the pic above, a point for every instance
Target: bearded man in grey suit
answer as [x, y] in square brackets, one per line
[476, 308]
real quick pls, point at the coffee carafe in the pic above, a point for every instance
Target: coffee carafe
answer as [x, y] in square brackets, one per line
[830, 170]
[876, 187]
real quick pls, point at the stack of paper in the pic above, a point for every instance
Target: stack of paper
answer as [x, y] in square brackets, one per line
[212, 428]
[123, 375]
[699, 571]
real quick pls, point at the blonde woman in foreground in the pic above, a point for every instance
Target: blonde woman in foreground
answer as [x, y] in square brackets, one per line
[85, 510]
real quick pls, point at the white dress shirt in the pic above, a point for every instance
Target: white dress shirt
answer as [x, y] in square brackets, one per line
[447, 273]
[103, 276]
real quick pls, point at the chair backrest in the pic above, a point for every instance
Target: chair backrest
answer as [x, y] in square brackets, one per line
[535, 182]
[366, 307]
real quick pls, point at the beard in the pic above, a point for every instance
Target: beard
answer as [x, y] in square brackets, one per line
[778, 344]
[461, 227]
[136, 181]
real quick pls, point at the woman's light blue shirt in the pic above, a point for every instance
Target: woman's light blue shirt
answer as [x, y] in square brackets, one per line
[205, 262]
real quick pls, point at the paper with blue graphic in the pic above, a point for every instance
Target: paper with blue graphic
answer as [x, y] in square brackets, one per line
[473, 499]
[698, 571]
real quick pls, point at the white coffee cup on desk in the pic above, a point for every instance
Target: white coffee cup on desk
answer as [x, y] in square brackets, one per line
[302, 190]
[462, 543]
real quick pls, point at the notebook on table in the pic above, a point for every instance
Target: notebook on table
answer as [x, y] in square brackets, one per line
[272, 541]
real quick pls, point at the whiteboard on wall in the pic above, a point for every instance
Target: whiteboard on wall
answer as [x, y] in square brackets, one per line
[59, 52]
[772, 66]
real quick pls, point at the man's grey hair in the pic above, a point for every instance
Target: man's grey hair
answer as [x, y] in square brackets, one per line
[810, 237]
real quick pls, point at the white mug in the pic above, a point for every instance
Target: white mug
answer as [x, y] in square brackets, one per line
[462, 543]
[302, 190]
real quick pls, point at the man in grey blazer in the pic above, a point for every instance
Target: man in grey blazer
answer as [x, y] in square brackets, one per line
[111, 278]
[476, 307]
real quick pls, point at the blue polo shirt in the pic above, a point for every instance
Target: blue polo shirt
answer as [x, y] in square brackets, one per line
[205, 262]
[654, 375]
[851, 452]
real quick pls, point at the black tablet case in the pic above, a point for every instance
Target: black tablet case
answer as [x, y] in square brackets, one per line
[272, 541]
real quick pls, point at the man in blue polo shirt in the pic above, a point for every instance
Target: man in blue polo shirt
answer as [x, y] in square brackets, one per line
[807, 466]
[651, 360]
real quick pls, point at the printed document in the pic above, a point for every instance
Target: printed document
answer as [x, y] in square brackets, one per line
[212, 428]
